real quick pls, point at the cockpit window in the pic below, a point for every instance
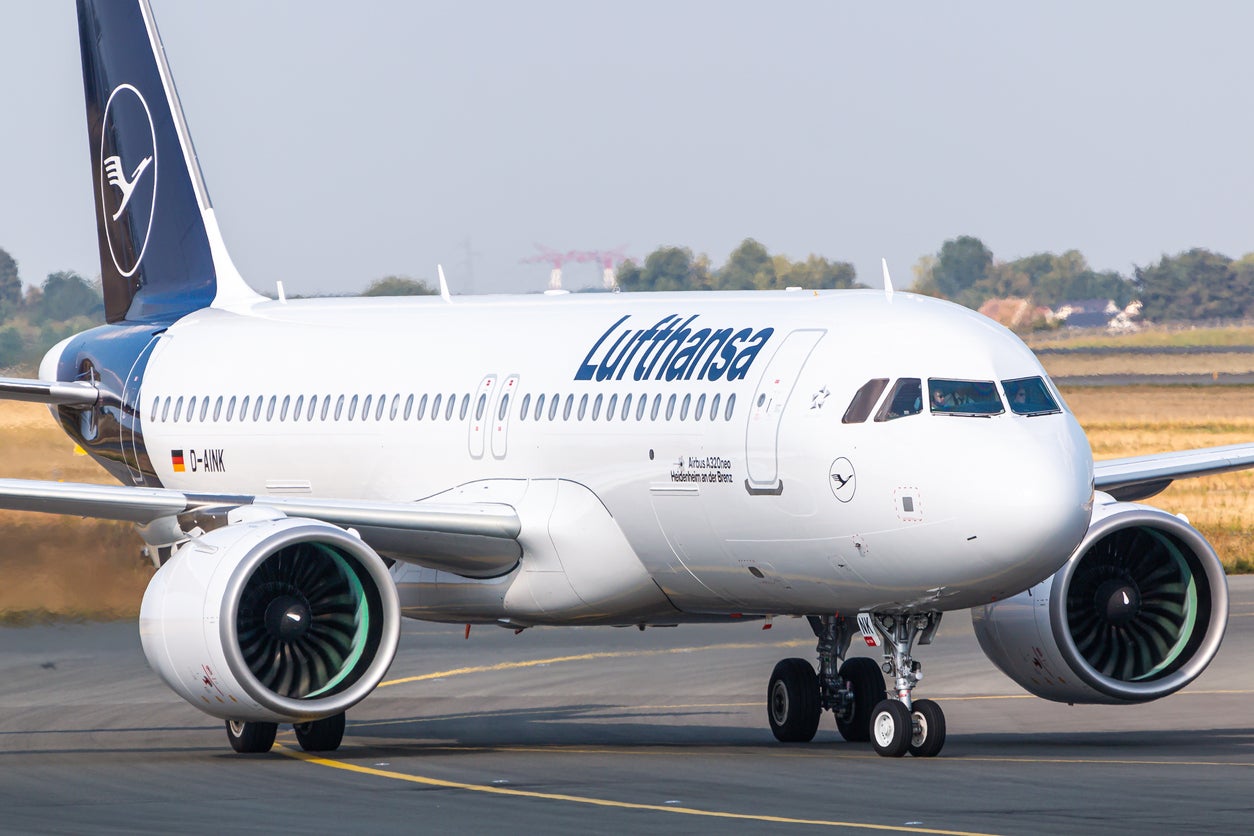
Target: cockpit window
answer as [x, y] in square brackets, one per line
[1029, 396]
[963, 397]
[906, 398]
[864, 401]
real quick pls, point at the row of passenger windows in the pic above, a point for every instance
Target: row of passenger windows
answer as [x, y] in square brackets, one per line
[439, 407]
[970, 398]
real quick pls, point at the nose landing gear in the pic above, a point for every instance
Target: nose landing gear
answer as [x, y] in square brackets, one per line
[854, 690]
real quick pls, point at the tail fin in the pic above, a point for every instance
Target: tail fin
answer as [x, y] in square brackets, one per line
[161, 253]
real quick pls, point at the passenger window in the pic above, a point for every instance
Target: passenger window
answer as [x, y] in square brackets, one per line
[553, 404]
[230, 408]
[700, 408]
[339, 407]
[449, 405]
[539, 407]
[714, 406]
[422, 408]
[683, 408]
[461, 414]
[596, 408]
[480, 405]
[626, 413]
[906, 398]
[257, 405]
[217, 408]
[526, 407]
[612, 409]
[204, 408]
[178, 409]
[396, 408]
[352, 408]
[731, 407]
[243, 409]
[313, 406]
[165, 411]
[365, 407]
[657, 406]
[583, 406]
[504, 410]
[191, 408]
[326, 407]
[864, 401]
[300, 407]
[670, 406]
[156, 402]
[641, 406]
[1029, 396]
[270, 407]
[963, 397]
[409, 408]
[570, 404]
[378, 410]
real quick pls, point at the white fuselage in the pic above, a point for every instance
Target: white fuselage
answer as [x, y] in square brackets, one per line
[737, 486]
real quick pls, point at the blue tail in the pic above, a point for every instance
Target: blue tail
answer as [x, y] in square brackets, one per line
[161, 254]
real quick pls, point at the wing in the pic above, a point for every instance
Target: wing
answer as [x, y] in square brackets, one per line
[76, 394]
[477, 540]
[1140, 477]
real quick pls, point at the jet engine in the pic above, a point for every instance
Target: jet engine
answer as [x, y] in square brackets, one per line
[1136, 614]
[272, 620]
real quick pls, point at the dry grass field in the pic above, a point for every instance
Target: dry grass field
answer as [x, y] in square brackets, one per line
[1068, 365]
[58, 567]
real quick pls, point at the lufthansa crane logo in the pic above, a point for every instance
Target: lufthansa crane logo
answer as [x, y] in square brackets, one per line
[128, 177]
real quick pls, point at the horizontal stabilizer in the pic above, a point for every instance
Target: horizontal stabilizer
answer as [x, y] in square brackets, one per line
[73, 393]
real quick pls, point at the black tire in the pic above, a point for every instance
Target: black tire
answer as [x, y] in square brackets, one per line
[890, 728]
[792, 701]
[251, 738]
[867, 683]
[322, 735]
[928, 734]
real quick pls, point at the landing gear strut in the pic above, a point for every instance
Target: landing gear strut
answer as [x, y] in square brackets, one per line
[854, 690]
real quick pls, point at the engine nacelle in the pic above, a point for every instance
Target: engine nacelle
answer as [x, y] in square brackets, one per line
[275, 620]
[1136, 614]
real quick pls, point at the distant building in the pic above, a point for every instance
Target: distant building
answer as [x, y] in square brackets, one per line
[1098, 313]
[1017, 314]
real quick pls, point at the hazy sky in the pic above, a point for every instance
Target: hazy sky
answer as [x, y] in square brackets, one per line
[342, 142]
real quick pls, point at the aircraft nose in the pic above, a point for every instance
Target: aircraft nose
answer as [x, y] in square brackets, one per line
[1041, 496]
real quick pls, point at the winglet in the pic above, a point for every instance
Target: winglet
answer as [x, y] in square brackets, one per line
[439, 268]
[888, 280]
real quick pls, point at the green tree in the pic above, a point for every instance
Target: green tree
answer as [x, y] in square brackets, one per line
[399, 286]
[1197, 284]
[749, 267]
[10, 284]
[665, 269]
[815, 272]
[12, 347]
[961, 262]
[66, 295]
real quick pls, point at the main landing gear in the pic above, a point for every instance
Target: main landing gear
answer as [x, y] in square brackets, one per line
[854, 690]
[322, 735]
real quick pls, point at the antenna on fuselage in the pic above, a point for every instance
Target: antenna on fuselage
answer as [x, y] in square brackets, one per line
[439, 268]
[888, 280]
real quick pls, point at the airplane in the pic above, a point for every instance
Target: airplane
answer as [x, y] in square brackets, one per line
[306, 473]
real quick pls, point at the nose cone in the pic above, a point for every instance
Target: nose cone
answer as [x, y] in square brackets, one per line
[1038, 499]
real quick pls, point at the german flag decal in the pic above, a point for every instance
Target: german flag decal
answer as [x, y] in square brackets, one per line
[176, 459]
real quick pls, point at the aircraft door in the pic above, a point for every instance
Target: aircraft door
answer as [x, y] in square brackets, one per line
[767, 409]
[500, 419]
[480, 414]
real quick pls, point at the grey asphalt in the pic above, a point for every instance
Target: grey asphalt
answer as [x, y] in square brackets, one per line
[660, 731]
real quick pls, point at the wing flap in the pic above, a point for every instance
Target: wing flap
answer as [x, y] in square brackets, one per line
[1140, 477]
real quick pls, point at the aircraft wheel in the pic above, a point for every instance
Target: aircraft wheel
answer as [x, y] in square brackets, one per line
[891, 728]
[928, 734]
[322, 735]
[792, 701]
[250, 738]
[867, 683]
